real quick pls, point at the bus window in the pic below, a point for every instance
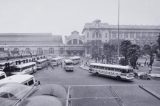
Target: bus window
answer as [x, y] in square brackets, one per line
[25, 83]
[123, 71]
[68, 63]
[17, 69]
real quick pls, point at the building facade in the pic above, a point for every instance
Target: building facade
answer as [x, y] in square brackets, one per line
[94, 35]
[74, 44]
[103, 32]
[31, 43]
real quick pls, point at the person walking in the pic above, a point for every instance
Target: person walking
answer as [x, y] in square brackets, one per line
[150, 69]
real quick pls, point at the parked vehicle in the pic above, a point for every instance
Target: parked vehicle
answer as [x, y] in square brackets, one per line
[23, 95]
[41, 63]
[22, 79]
[26, 68]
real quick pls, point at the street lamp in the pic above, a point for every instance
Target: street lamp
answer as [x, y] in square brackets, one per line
[118, 29]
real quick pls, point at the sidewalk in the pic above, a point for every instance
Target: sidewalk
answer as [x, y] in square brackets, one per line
[84, 67]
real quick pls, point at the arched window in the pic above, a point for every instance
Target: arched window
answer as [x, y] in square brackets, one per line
[75, 41]
[28, 50]
[51, 50]
[39, 51]
[97, 34]
[15, 51]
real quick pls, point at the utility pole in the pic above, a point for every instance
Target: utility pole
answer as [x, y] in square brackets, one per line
[118, 30]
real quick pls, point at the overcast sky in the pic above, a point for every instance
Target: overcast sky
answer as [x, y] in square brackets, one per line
[64, 16]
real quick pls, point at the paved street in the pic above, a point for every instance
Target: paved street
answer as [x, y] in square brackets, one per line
[89, 90]
[80, 77]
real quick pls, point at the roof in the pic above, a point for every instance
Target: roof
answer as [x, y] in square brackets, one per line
[75, 57]
[111, 66]
[29, 38]
[25, 64]
[41, 60]
[18, 90]
[97, 25]
[16, 79]
[68, 61]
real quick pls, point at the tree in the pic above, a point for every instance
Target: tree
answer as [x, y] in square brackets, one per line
[133, 54]
[146, 49]
[158, 41]
[109, 51]
[124, 49]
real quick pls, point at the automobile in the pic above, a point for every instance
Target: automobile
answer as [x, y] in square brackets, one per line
[19, 92]
[42, 101]
[6, 102]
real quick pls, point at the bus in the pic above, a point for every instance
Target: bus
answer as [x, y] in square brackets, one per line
[5, 64]
[27, 68]
[68, 65]
[22, 79]
[75, 59]
[116, 71]
[56, 61]
[41, 63]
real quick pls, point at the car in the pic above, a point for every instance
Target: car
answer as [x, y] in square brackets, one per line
[19, 92]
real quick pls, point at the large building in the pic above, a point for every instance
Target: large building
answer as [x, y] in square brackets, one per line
[93, 36]
[31, 43]
[104, 32]
[74, 44]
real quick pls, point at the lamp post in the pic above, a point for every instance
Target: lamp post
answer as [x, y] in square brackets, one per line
[118, 30]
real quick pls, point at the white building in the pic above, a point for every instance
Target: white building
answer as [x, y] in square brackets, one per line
[139, 34]
[104, 32]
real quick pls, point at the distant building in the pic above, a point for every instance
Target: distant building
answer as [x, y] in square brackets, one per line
[104, 32]
[31, 43]
[74, 44]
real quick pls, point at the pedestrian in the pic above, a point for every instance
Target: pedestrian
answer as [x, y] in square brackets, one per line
[150, 69]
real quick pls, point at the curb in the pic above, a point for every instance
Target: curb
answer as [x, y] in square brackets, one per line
[84, 68]
[150, 91]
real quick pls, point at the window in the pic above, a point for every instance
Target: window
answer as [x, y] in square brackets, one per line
[137, 35]
[106, 35]
[74, 41]
[61, 50]
[3, 76]
[93, 35]
[4, 95]
[126, 35]
[113, 34]
[51, 50]
[132, 35]
[87, 34]
[31, 82]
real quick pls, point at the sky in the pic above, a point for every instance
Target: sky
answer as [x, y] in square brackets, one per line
[61, 17]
